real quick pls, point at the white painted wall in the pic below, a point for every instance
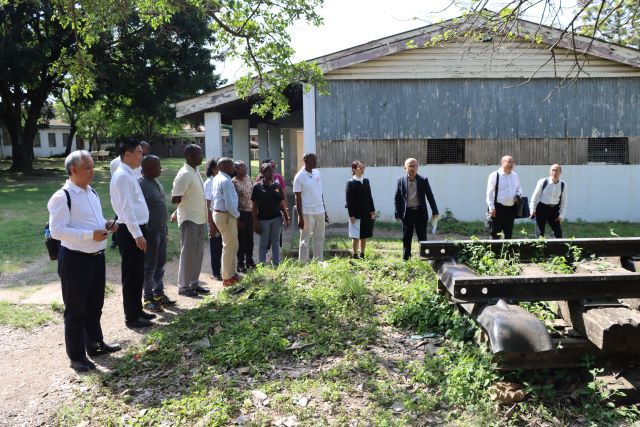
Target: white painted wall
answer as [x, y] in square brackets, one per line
[595, 192]
[44, 150]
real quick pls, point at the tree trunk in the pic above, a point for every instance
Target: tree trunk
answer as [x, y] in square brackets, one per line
[22, 147]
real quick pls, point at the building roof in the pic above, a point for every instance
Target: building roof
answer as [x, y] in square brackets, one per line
[552, 37]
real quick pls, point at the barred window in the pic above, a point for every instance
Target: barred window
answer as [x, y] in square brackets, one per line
[52, 139]
[443, 151]
[36, 140]
[608, 150]
[65, 139]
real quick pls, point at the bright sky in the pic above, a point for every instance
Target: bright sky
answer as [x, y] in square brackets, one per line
[349, 23]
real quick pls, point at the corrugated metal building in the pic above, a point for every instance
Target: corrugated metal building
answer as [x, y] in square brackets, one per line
[458, 109]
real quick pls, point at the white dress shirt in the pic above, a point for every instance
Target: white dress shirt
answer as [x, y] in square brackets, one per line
[309, 185]
[550, 195]
[224, 195]
[74, 228]
[127, 200]
[116, 162]
[188, 185]
[208, 185]
[508, 188]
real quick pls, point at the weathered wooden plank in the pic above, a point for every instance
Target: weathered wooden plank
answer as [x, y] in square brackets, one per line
[548, 288]
[528, 248]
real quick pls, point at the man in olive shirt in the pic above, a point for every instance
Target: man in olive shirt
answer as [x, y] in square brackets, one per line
[156, 255]
[188, 194]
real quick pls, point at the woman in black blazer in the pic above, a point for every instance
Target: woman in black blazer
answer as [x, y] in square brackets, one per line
[361, 209]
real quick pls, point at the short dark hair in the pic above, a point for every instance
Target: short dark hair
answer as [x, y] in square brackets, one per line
[305, 156]
[128, 144]
[355, 164]
[211, 165]
[265, 166]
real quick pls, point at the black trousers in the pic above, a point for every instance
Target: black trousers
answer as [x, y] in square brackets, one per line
[414, 219]
[215, 247]
[83, 282]
[548, 214]
[503, 221]
[132, 270]
[245, 240]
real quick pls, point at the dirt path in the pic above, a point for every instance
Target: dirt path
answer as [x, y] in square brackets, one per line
[36, 378]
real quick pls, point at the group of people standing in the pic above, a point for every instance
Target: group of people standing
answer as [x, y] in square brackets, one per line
[548, 204]
[229, 206]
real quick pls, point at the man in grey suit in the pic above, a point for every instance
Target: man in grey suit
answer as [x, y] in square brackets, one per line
[412, 193]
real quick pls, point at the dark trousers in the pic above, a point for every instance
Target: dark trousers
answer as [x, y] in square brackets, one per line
[215, 247]
[245, 239]
[413, 219]
[132, 270]
[503, 221]
[548, 214]
[83, 282]
[154, 261]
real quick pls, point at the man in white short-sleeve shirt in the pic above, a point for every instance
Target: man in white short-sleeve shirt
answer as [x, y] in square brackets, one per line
[188, 194]
[307, 187]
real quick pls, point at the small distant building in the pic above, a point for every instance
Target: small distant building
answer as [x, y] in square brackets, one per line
[458, 108]
[48, 142]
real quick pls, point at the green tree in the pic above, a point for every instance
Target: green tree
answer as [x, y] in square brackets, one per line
[149, 69]
[46, 41]
[617, 21]
[33, 44]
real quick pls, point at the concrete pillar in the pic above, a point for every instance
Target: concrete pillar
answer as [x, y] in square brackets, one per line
[241, 138]
[212, 135]
[263, 141]
[287, 137]
[309, 118]
[275, 141]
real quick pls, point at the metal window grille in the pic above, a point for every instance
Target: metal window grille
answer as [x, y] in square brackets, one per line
[36, 140]
[443, 151]
[608, 150]
[65, 139]
[52, 139]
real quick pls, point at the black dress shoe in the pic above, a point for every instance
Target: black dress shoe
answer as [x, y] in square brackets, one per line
[199, 289]
[82, 365]
[147, 316]
[188, 293]
[140, 322]
[98, 349]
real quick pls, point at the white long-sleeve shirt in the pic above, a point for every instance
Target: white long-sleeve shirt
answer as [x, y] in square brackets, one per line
[127, 200]
[74, 227]
[550, 195]
[113, 167]
[508, 188]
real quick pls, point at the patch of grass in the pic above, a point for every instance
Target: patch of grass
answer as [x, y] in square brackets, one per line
[23, 208]
[23, 316]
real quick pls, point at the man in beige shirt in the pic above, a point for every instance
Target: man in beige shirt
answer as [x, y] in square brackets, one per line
[188, 194]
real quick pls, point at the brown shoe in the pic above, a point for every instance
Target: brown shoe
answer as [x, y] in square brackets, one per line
[231, 281]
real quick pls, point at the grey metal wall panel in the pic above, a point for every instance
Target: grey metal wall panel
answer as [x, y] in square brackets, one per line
[482, 108]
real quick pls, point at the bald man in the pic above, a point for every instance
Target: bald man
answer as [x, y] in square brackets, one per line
[412, 193]
[503, 187]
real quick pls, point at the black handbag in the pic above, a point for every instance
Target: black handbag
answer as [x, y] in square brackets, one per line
[522, 207]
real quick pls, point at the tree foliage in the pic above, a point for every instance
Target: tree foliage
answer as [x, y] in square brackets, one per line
[614, 20]
[50, 44]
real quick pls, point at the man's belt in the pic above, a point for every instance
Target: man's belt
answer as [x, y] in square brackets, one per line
[84, 253]
[219, 211]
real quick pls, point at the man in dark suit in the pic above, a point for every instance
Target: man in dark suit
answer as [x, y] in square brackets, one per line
[412, 194]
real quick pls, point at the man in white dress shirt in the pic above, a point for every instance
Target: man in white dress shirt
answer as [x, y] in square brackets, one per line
[503, 188]
[307, 188]
[224, 207]
[133, 214]
[113, 166]
[549, 202]
[76, 219]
